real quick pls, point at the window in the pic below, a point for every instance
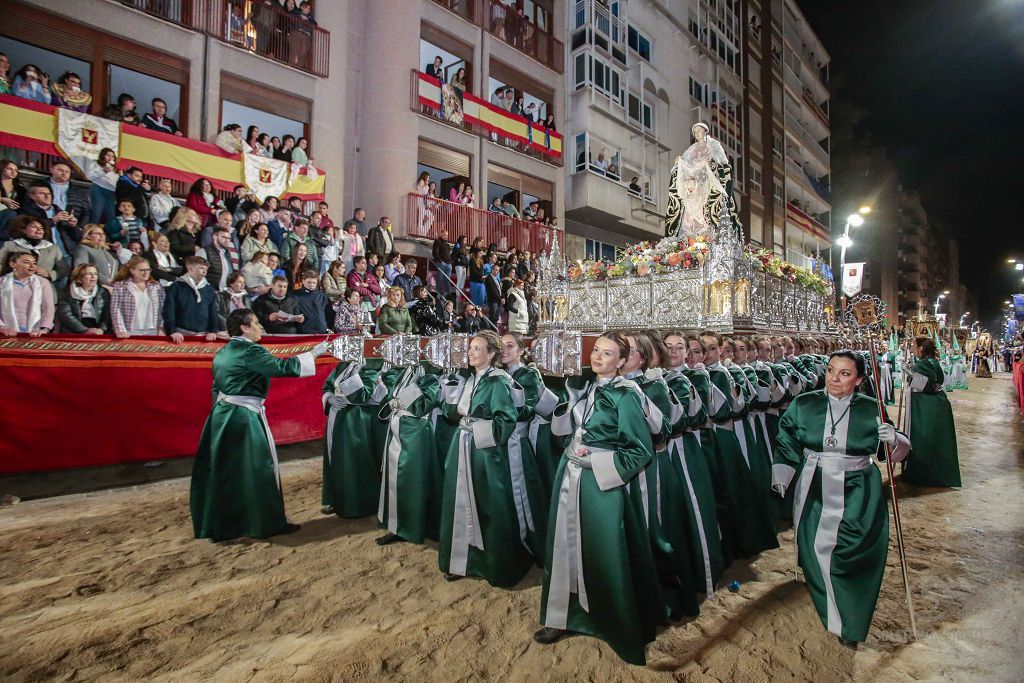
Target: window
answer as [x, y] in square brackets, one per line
[639, 43]
[737, 172]
[699, 91]
[593, 70]
[641, 112]
[599, 251]
[777, 146]
[52, 63]
[279, 126]
[755, 179]
[778, 195]
[581, 153]
[144, 88]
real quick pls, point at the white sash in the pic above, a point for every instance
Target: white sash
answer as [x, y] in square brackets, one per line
[256, 405]
[515, 464]
[35, 311]
[466, 529]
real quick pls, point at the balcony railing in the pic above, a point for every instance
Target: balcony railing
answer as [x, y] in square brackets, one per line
[807, 223]
[262, 29]
[430, 97]
[501, 20]
[425, 218]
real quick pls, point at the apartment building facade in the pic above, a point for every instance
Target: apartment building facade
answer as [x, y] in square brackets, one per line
[640, 73]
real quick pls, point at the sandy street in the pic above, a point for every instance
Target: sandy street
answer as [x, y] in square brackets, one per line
[112, 586]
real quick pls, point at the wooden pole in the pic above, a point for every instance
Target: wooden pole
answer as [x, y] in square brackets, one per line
[892, 490]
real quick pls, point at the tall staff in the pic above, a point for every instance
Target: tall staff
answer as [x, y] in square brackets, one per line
[865, 309]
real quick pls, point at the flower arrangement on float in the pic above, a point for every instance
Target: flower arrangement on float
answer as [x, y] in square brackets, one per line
[644, 258]
[770, 262]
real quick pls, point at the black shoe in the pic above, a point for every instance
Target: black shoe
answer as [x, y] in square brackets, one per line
[327, 510]
[389, 538]
[548, 635]
[852, 644]
[452, 577]
[289, 528]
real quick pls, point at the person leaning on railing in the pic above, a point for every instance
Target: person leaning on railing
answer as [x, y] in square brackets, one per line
[137, 301]
[84, 306]
[26, 299]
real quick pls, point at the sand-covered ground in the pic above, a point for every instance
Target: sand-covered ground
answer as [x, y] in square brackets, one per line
[112, 586]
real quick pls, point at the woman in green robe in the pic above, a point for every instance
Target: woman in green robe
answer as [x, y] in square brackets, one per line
[408, 504]
[479, 520]
[840, 518]
[753, 518]
[600, 577]
[351, 477]
[934, 460]
[716, 407]
[531, 497]
[236, 482]
[688, 494]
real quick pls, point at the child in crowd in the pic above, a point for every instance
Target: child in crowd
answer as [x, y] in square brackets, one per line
[330, 251]
[127, 227]
[258, 274]
[274, 263]
[348, 313]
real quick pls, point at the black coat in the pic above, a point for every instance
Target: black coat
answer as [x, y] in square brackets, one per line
[134, 193]
[266, 304]
[69, 312]
[176, 270]
[183, 243]
[71, 236]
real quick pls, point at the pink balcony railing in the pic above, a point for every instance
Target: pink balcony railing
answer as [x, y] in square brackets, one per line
[426, 217]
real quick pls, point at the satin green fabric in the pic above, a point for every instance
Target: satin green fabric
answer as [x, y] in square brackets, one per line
[234, 489]
[934, 460]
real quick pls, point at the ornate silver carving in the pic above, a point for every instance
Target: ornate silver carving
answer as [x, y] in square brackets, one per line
[401, 349]
[347, 348]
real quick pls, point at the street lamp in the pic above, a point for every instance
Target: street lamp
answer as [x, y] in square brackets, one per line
[853, 220]
[938, 300]
[963, 317]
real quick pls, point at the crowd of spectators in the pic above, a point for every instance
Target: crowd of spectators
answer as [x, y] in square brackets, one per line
[160, 267]
[31, 83]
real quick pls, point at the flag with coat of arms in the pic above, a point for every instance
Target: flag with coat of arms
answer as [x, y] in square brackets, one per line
[81, 137]
[265, 177]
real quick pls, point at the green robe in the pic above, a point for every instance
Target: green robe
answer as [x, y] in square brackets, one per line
[480, 534]
[754, 523]
[236, 484]
[408, 505]
[840, 516]
[688, 512]
[672, 559]
[546, 452]
[532, 497]
[716, 408]
[600, 576]
[934, 460]
[351, 465]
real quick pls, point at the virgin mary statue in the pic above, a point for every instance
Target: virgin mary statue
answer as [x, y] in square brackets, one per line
[700, 181]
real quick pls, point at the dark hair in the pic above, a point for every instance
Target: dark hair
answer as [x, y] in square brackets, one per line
[124, 97]
[858, 361]
[309, 273]
[103, 153]
[358, 259]
[66, 75]
[659, 344]
[233, 277]
[197, 186]
[158, 99]
[60, 162]
[350, 292]
[232, 126]
[286, 138]
[237, 318]
[710, 333]
[18, 225]
[249, 131]
[14, 256]
[927, 345]
[221, 229]
[645, 347]
[132, 169]
[278, 278]
[196, 261]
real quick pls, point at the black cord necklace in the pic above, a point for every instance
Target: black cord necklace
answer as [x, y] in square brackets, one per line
[831, 441]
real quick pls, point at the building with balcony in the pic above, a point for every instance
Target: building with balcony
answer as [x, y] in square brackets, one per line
[641, 73]
[373, 118]
[213, 63]
[407, 121]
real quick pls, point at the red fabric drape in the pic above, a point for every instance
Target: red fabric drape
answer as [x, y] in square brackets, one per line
[1018, 383]
[71, 402]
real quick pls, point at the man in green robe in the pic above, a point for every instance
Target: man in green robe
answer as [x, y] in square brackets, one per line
[236, 482]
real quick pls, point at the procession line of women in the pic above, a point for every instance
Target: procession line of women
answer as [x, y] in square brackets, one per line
[633, 487]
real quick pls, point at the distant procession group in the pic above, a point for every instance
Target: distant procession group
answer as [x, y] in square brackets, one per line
[634, 486]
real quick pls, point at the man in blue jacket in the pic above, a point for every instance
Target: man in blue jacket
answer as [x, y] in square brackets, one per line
[191, 304]
[312, 304]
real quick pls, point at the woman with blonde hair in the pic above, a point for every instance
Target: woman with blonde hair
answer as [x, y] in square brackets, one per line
[394, 315]
[137, 301]
[93, 250]
[183, 231]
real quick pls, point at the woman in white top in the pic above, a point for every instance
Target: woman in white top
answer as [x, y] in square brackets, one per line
[352, 245]
[329, 252]
[426, 217]
[161, 204]
[103, 176]
[137, 301]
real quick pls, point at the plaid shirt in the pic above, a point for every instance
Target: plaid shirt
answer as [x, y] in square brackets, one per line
[122, 305]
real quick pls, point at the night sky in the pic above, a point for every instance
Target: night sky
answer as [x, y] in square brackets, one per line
[942, 87]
